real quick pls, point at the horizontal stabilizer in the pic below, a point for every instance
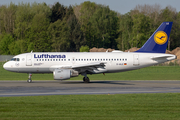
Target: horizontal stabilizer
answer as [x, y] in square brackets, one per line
[165, 56]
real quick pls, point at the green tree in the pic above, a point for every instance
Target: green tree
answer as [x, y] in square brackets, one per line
[38, 34]
[24, 16]
[104, 24]
[84, 48]
[86, 11]
[60, 36]
[75, 33]
[124, 31]
[7, 18]
[5, 41]
[17, 47]
[141, 30]
[58, 12]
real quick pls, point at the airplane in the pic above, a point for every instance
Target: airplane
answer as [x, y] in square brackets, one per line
[65, 65]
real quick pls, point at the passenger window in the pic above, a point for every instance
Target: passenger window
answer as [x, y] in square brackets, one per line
[42, 59]
[64, 59]
[68, 59]
[37, 59]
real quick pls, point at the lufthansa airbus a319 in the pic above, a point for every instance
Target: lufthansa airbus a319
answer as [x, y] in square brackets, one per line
[65, 65]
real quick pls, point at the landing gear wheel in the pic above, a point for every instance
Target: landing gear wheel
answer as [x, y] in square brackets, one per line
[86, 80]
[29, 81]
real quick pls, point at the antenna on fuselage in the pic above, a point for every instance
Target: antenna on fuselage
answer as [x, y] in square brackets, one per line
[31, 51]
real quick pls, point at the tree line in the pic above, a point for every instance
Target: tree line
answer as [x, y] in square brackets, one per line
[58, 28]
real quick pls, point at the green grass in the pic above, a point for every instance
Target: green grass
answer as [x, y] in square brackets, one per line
[88, 107]
[149, 73]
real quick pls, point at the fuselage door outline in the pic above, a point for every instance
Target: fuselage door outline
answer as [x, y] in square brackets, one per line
[29, 60]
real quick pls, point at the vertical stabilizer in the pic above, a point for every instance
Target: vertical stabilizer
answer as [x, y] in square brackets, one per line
[158, 41]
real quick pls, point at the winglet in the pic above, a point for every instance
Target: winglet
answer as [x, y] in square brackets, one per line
[158, 41]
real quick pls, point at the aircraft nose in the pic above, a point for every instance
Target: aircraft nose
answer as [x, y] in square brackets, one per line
[6, 66]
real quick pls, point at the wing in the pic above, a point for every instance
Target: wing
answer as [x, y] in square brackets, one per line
[94, 67]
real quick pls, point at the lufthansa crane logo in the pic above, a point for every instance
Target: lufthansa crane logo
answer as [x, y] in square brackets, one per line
[160, 37]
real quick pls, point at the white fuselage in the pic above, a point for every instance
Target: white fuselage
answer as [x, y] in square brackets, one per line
[47, 62]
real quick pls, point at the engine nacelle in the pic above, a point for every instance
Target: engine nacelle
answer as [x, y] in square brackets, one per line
[64, 74]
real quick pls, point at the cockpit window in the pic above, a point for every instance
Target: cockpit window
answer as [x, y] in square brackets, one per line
[15, 59]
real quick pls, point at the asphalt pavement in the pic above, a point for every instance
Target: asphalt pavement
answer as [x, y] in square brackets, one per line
[37, 88]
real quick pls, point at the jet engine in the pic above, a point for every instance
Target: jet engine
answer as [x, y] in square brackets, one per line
[64, 74]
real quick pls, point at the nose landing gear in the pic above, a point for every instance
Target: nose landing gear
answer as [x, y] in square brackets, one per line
[29, 78]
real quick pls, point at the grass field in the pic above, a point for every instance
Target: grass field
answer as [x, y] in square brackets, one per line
[164, 106]
[149, 73]
[161, 106]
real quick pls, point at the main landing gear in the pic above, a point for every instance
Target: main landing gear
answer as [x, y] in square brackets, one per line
[29, 78]
[85, 79]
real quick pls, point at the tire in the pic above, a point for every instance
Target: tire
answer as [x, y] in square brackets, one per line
[86, 80]
[29, 81]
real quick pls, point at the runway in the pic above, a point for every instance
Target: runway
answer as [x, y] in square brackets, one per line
[36, 88]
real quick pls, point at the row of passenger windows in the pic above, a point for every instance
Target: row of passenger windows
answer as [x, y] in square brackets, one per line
[81, 60]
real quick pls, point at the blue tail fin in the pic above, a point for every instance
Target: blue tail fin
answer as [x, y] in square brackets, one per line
[158, 41]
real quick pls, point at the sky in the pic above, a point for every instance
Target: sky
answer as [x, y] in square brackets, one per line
[121, 6]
